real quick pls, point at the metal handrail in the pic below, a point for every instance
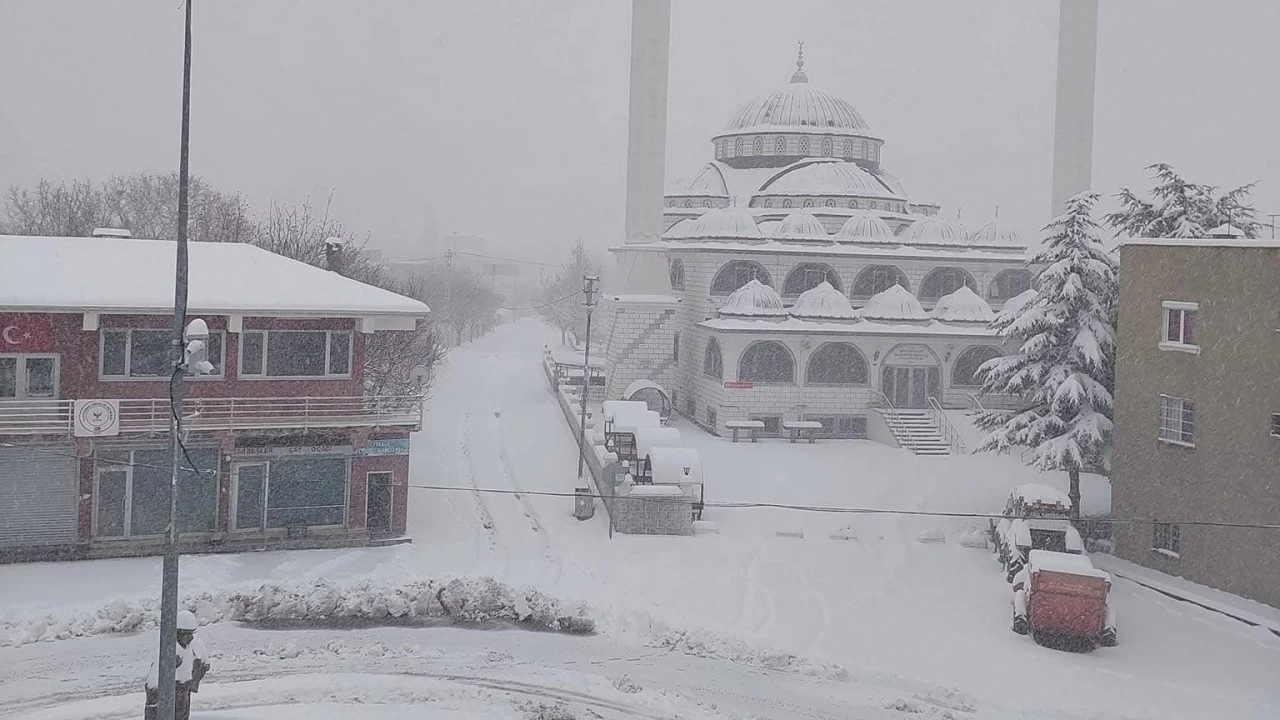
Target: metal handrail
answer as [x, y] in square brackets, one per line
[977, 404]
[949, 432]
[904, 438]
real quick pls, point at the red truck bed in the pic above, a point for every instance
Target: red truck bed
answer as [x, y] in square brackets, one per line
[1067, 604]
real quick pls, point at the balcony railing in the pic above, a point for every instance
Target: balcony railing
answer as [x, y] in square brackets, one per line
[54, 417]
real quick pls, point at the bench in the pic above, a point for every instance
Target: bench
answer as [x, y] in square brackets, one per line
[755, 426]
[807, 427]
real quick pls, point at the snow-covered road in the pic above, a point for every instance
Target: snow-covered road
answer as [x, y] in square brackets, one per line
[845, 627]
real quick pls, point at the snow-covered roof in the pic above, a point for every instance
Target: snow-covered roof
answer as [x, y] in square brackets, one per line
[611, 408]
[755, 299]
[1226, 230]
[672, 465]
[730, 222]
[706, 180]
[798, 107]
[1068, 563]
[996, 233]
[648, 438]
[963, 305]
[1014, 305]
[867, 227]
[1042, 494]
[830, 178]
[956, 254]
[124, 275]
[1234, 242]
[864, 327]
[823, 302]
[800, 224]
[893, 304]
[934, 230]
[574, 358]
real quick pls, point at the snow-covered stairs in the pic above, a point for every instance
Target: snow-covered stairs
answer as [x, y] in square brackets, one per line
[915, 430]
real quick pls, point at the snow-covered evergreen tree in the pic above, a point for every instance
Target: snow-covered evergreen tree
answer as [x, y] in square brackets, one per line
[1063, 364]
[1179, 209]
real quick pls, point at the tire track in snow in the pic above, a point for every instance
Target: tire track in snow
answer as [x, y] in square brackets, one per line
[823, 612]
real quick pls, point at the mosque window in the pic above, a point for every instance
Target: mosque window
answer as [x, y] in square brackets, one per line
[781, 146]
[831, 202]
[757, 146]
[736, 273]
[827, 150]
[808, 202]
[837, 363]
[676, 272]
[767, 361]
[866, 152]
[786, 203]
[713, 360]
[804, 146]
[737, 146]
[767, 202]
[706, 203]
[853, 204]
[944, 281]
[878, 278]
[848, 148]
[688, 203]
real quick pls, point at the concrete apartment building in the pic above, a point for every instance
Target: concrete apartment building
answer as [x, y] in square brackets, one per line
[1197, 412]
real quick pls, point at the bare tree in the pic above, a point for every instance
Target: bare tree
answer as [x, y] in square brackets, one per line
[557, 303]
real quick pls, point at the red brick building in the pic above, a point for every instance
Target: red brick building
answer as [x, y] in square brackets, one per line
[285, 447]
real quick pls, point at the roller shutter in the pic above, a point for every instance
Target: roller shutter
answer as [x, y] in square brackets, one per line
[38, 495]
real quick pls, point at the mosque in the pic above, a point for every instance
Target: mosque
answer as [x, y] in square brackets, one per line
[807, 284]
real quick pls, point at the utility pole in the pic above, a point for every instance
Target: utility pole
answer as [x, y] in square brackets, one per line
[589, 291]
[1273, 217]
[169, 574]
[448, 290]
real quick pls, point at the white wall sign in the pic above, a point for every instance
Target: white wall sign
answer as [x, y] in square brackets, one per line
[293, 450]
[912, 355]
[97, 418]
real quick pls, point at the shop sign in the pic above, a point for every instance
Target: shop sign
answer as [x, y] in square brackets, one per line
[294, 450]
[389, 446]
[735, 385]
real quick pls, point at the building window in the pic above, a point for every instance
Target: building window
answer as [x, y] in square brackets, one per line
[853, 204]
[807, 276]
[145, 353]
[840, 426]
[878, 278]
[1177, 420]
[757, 145]
[295, 353]
[786, 203]
[772, 425]
[831, 202]
[944, 281]
[836, 363]
[848, 148]
[306, 491]
[767, 202]
[676, 271]
[706, 203]
[827, 149]
[866, 153]
[965, 371]
[688, 203]
[808, 202]
[737, 146]
[804, 145]
[1167, 538]
[713, 361]
[780, 146]
[132, 494]
[675, 348]
[1179, 326]
[1010, 284]
[1275, 425]
[767, 361]
[737, 273]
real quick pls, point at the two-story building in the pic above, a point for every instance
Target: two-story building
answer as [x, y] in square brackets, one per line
[284, 446]
[1197, 411]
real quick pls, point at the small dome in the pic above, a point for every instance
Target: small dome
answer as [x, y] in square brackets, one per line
[963, 305]
[706, 180]
[823, 302]
[934, 230]
[867, 227]
[755, 299]
[800, 225]
[730, 222]
[893, 304]
[829, 178]
[996, 233]
[1015, 304]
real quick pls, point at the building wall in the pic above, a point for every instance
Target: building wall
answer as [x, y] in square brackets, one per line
[638, 342]
[1232, 474]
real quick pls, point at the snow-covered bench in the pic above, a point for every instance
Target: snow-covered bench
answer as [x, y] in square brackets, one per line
[755, 426]
[797, 427]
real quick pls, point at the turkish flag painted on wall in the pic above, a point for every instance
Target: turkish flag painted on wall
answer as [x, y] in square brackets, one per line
[26, 333]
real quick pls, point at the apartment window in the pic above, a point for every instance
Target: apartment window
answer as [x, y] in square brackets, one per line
[295, 353]
[1275, 425]
[1177, 420]
[1167, 538]
[145, 353]
[1179, 326]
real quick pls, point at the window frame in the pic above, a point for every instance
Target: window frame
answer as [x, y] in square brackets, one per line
[1275, 425]
[1188, 312]
[713, 345]
[221, 365]
[127, 534]
[676, 272]
[1184, 405]
[1166, 539]
[792, 381]
[328, 351]
[20, 375]
[836, 346]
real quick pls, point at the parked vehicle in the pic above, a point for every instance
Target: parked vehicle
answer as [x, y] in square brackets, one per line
[1025, 535]
[1061, 595]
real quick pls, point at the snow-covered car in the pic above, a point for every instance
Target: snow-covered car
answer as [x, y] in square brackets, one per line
[1028, 501]
[1025, 535]
[1063, 595]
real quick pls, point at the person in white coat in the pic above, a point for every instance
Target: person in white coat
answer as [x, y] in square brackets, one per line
[192, 664]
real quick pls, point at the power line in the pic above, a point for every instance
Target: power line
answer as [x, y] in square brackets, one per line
[574, 294]
[830, 509]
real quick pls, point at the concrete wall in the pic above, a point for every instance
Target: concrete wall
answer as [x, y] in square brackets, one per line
[638, 343]
[1232, 474]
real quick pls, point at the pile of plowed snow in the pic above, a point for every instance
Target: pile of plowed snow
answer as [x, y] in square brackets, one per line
[459, 600]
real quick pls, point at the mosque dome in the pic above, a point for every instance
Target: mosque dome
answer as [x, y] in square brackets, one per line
[866, 227]
[755, 299]
[996, 233]
[893, 304]
[800, 225]
[823, 302]
[934, 230]
[963, 305]
[721, 223]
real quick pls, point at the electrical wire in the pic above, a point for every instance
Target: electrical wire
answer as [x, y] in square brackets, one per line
[538, 307]
[830, 509]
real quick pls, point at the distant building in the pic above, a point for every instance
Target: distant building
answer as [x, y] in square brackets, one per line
[288, 448]
[1197, 414]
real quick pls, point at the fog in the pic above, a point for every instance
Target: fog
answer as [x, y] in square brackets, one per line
[507, 118]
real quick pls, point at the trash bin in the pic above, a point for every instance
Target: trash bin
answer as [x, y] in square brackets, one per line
[584, 505]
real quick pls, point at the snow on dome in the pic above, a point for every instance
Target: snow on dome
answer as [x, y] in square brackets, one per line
[798, 106]
[893, 304]
[823, 302]
[755, 299]
[800, 225]
[866, 226]
[829, 178]
[706, 180]
[1015, 304]
[963, 305]
[996, 233]
[934, 230]
[730, 222]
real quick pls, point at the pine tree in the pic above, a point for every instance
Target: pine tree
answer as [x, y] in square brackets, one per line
[1179, 209]
[1063, 365]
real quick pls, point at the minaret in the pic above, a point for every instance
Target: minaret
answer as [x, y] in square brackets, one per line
[1073, 117]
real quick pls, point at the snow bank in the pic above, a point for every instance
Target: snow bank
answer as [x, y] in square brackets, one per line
[460, 600]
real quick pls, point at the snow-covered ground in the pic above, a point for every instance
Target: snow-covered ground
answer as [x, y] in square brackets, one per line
[744, 623]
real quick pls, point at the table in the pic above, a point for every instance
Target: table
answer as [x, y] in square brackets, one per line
[808, 427]
[753, 425]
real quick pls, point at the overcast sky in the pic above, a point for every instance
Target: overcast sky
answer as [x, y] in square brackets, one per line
[507, 118]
